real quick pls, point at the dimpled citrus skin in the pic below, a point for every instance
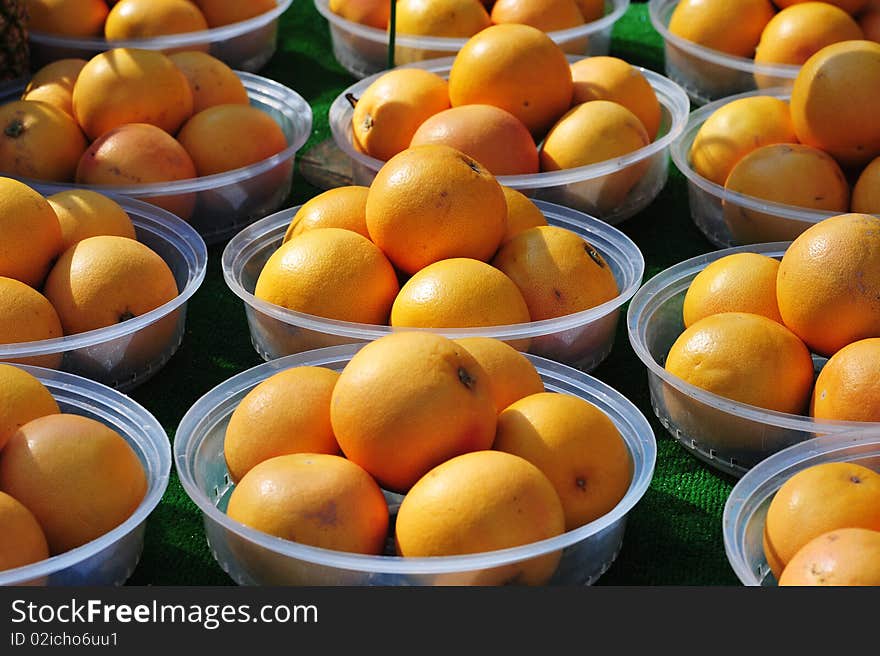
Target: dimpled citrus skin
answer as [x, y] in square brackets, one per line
[731, 26]
[28, 316]
[848, 388]
[845, 557]
[22, 398]
[828, 286]
[22, 541]
[31, 234]
[341, 207]
[511, 374]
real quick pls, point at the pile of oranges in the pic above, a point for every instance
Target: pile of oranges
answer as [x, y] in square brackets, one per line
[65, 479]
[311, 451]
[130, 116]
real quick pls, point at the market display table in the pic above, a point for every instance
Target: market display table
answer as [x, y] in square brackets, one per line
[673, 536]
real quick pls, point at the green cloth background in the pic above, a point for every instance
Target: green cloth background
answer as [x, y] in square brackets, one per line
[673, 536]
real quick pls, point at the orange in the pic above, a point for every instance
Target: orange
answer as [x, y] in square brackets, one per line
[852, 7]
[829, 282]
[511, 374]
[731, 27]
[611, 78]
[845, 557]
[847, 387]
[38, 140]
[373, 13]
[211, 81]
[408, 401]
[834, 102]
[444, 18]
[557, 271]
[869, 21]
[820, 498]
[53, 83]
[230, 136]
[790, 174]
[432, 202]
[522, 213]
[737, 128]
[741, 282]
[22, 541]
[591, 10]
[331, 273]
[22, 398]
[747, 358]
[866, 191]
[458, 293]
[31, 236]
[130, 85]
[479, 502]
[342, 207]
[226, 12]
[139, 153]
[289, 412]
[73, 18]
[392, 107]
[28, 316]
[83, 213]
[143, 19]
[79, 477]
[546, 15]
[102, 281]
[576, 445]
[494, 137]
[517, 68]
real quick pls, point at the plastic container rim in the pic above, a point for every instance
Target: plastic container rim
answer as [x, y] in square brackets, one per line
[100, 394]
[671, 96]
[183, 39]
[185, 447]
[671, 281]
[454, 44]
[189, 241]
[260, 229]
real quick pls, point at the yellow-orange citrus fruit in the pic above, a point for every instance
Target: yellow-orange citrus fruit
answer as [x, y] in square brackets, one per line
[479, 502]
[373, 13]
[844, 557]
[866, 190]
[289, 412]
[28, 316]
[829, 282]
[143, 19]
[22, 541]
[79, 477]
[31, 236]
[395, 435]
[73, 18]
[522, 213]
[22, 398]
[820, 498]
[423, 204]
[591, 10]
[511, 374]
[53, 83]
[731, 27]
[341, 207]
[852, 7]
[546, 15]
[747, 358]
[741, 282]
[39, 140]
[331, 273]
[848, 388]
[83, 213]
[226, 12]
[869, 21]
[211, 81]
[442, 18]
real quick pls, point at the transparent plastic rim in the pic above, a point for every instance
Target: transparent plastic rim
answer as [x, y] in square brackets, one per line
[190, 434]
[166, 225]
[452, 45]
[671, 96]
[102, 399]
[674, 280]
[628, 257]
[762, 481]
[223, 33]
[680, 156]
[283, 99]
[660, 12]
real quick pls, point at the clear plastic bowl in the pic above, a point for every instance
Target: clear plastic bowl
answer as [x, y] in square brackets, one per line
[111, 558]
[581, 340]
[363, 50]
[126, 354]
[745, 510]
[594, 189]
[730, 436]
[224, 202]
[252, 557]
[708, 74]
[245, 46]
[729, 218]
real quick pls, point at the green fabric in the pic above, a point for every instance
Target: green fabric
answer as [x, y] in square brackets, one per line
[673, 536]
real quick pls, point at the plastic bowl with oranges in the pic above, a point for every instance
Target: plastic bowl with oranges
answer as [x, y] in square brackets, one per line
[111, 558]
[246, 45]
[363, 50]
[745, 510]
[581, 188]
[251, 557]
[730, 436]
